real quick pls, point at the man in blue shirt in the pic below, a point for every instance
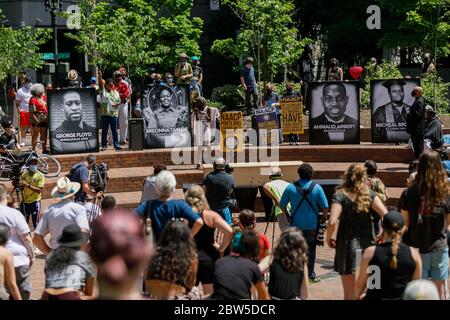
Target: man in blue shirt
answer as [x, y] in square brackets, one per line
[306, 199]
[163, 209]
[80, 173]
[248, 82]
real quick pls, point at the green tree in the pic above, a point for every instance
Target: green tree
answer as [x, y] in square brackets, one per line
[137, 33]
[435, 92]
[267, 33]
[386, 70]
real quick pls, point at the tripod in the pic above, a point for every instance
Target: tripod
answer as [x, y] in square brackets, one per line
[272, 218]
[94, 213]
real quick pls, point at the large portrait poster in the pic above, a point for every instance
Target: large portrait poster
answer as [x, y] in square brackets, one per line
[73, 120]
[390, 100]
[334, 112]
[292, 121]
[232, 131]
[268, 128]
[167, 118]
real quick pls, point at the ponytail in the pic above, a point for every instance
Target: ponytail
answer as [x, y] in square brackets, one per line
[396, 239]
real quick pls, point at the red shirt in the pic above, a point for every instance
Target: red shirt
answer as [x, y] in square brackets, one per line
[123, 89]
[36, 104]
[264, 245]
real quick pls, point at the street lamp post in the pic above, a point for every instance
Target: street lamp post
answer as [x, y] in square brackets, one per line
[53, 6]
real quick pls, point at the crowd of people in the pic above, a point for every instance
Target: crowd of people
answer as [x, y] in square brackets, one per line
[192, 248]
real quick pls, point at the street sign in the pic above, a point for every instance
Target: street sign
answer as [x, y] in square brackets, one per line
[51, 55]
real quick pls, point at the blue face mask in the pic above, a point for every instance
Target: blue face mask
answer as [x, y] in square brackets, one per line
[33, 168]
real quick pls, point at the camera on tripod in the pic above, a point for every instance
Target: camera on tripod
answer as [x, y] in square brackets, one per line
[15, 175]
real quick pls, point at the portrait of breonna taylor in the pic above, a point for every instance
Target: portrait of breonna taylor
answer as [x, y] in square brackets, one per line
[73, 121]
[166, 114]
[334, 112]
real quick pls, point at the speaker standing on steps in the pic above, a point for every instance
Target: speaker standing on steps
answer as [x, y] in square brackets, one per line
[136, 134]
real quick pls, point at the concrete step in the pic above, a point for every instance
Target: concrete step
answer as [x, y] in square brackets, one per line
[303, 152]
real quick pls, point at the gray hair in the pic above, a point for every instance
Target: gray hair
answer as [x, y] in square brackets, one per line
[421, 290]
[37, 89]
[165, 183]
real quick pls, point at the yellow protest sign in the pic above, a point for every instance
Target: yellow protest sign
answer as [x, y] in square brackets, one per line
[232, 131]
[292, 116]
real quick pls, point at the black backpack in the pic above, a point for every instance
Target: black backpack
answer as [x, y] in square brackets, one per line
[99, 177]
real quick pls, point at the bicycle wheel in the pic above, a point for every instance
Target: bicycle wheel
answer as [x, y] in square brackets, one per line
[6, 166]
[48, 165]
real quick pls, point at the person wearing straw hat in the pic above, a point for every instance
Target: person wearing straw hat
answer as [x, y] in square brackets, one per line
[73, 80]
[69, 272]
[59, 215]
[183, 70]
[274, 189]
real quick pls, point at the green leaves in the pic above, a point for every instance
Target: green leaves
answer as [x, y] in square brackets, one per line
[20, 49]
[267, 31]
[137, 33]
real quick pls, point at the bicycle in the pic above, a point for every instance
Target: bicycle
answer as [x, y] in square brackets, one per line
[47, 165]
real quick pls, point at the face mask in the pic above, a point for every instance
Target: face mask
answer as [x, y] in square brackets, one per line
[33, 168]
[413, 93]
[28, 85]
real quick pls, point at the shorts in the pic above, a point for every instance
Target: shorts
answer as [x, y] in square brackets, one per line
[23, 281]
[435, 265]
[226, 215]
[205, 271]
[24, 119]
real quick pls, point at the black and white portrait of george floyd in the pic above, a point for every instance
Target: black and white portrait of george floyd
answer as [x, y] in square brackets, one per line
[166, 114]
[390, 101]
[73, 121]
[334, 112]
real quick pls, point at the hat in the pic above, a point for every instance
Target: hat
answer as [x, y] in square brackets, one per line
[219, 163]
[93, 80]
[276, 172]
[195, 58]
[387, 84]
[7, 123]
[72, 237]
[421, 290]
[393, 220]
[117, 74]
[430, 109]
[183, 55]
[65, 188]
[72, 75]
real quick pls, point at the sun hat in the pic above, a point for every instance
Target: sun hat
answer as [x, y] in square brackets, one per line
[72, 237]
[72, 75]
[65, 188]
[276, 172]
[183, 55]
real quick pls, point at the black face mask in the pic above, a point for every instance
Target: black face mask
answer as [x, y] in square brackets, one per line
[413, 93]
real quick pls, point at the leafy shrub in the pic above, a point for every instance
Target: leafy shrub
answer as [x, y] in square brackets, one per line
[431, 83]
[230, 96]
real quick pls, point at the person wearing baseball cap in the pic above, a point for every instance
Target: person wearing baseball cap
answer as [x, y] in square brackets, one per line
[389, 120]
[397, 263]
[32, 182]
[434, 138]
[197, 74]
[69, 271]
[8, 140]
[183, 70]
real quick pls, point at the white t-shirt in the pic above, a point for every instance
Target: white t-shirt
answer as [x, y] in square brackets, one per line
[23, 96]
[18, 226]
[60, 215]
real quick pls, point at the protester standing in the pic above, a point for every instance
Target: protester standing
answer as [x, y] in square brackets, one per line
[218, 186]
[291, 94]
[249, 85]
[334, 72]
[7, 273]
[22, 102]
[197, 74]
[398, 263]
[247, 221]
[69, 272]
[208, 249]
[183, 70]
[433, 132]
[415, 124]
[425, 207]
[80, 174]
[110, 102]
[376, 185]
[123, 89]
[19, 244]
[59, 215]
[307, 199]
[38, 116]
[306, 69]
[351, 206]
[32, 182]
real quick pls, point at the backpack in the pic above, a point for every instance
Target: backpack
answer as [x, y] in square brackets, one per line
[99, 177]
[379, 188]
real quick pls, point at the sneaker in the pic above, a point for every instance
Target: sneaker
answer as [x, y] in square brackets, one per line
[314, 279]
[103, 148]
[119, 148]
[22, 144]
